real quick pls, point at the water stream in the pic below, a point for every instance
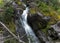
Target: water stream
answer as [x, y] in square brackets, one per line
[30, 34]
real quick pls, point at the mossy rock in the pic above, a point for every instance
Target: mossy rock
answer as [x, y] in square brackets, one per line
[32, 10]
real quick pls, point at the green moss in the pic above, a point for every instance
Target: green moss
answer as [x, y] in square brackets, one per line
[12, 27]
[32, 10]
[46, 29]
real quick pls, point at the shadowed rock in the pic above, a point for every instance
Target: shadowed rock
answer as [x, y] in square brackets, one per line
[37, 22]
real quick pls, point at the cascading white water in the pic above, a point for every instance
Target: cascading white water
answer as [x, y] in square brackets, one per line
[30, 34]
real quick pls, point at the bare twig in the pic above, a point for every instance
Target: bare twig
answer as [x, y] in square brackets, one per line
[23, 35]
[11, 32]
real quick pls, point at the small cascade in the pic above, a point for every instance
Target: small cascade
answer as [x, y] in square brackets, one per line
[30, 34]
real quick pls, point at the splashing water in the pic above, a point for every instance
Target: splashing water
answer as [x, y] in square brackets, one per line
[30, 34]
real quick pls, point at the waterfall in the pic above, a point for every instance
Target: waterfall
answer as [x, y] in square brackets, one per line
[30, 34]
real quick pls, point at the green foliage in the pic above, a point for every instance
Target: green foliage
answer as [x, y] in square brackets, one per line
[12, 40]
[32, 10]
[18, 2]
[1, 3]
[8, 14]
[11, 26]
[43, 7]
[49, 8]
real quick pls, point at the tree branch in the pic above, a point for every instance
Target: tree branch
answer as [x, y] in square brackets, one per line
[11, 32]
